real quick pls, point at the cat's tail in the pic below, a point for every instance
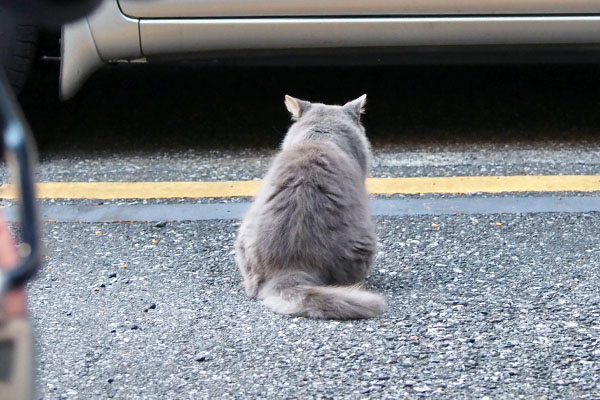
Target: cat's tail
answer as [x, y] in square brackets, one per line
[322, 302]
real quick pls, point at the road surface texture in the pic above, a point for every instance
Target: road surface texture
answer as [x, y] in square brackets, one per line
[483, 304]
[475, 309]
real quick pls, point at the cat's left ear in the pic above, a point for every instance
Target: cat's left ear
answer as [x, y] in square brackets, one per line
[296, 106]
[357, 106]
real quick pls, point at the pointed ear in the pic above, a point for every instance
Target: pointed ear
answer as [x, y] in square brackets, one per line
[357, 106]
[295, 106]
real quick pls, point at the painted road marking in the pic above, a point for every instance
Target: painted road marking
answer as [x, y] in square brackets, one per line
[417, 185]
[379, 207]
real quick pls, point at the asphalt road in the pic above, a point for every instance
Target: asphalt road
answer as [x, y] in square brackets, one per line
[475, 309]
[479, 305]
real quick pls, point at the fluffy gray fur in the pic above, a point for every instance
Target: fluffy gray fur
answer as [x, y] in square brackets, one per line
[307, 243]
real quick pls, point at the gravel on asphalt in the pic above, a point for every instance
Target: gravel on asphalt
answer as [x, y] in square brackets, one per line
[495, 306]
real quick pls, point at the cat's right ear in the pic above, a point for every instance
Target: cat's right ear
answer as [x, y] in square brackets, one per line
[357, 106]
[295, 106]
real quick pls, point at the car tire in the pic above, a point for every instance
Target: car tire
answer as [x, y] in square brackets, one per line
[18, 43]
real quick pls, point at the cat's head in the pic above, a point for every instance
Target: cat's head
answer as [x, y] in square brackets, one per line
[298, 107]
[338, 124]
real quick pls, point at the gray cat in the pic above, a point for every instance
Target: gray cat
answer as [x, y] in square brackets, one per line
[308, 242]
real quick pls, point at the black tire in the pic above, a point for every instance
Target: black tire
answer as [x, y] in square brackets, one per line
[18, 43]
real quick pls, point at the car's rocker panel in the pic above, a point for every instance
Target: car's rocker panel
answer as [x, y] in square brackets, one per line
[109, 35]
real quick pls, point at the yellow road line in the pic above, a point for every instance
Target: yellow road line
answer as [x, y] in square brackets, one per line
[138, 190]
[441, 185]
[486, 184]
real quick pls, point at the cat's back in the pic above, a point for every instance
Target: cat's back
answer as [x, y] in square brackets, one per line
[315, 165]
[312, 188]
[313, 202]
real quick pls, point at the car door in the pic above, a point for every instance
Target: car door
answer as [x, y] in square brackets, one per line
[201, 26]
[271, 8]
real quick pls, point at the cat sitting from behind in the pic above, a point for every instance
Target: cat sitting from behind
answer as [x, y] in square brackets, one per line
[307, 242]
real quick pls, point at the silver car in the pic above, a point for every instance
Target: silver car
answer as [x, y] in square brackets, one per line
[361, 31]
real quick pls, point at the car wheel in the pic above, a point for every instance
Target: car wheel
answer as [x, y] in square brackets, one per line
[18, 42]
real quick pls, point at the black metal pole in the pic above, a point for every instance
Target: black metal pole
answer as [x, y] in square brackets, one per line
[20, 154]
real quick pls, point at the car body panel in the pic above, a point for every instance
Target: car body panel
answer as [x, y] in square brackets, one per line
[141, 29]
[79, 57]
[116, 35]
[163, 36]
[88, 43]
[281, 8]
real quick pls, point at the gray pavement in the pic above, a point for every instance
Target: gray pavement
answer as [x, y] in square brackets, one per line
[517, 158]
[475, 309]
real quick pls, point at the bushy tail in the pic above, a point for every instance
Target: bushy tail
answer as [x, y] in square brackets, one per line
[324, 302]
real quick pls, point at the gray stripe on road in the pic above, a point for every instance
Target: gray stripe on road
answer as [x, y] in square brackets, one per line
[379, 207]
[491, 205]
